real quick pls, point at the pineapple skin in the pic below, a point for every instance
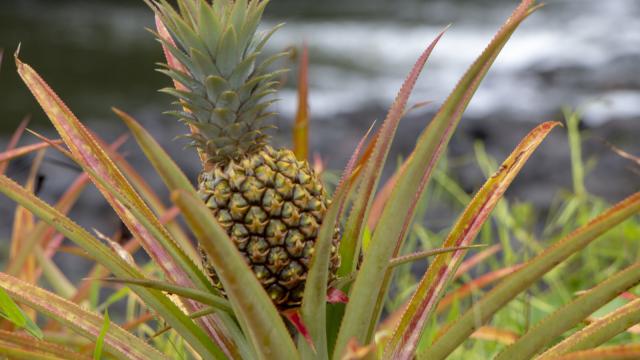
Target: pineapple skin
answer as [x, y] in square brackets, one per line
[271, 206]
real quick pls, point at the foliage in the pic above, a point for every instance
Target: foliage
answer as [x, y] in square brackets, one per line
[172, 310]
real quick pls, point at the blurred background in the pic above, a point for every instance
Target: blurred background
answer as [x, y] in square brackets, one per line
[577, 53]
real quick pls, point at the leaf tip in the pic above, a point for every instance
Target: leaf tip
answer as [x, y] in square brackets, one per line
[16, 56]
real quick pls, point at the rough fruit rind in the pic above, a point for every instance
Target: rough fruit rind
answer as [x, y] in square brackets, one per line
[271, 206]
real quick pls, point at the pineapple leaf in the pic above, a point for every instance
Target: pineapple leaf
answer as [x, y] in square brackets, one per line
[510, 287]
[209, 28]
[599, 331]
[429, 148]
[358, 309]
[117, 191]
[572, 314]
[256, 313]
[205, 64]
[18, 346]
[203, 297]
[175, 179]
[87, 324]
[228, 50]
[405, 338]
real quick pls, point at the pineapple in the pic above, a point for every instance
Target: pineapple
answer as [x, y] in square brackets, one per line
[270, 204]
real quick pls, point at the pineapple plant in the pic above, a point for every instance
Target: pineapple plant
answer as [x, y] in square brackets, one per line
[240, 171]
[270, 203]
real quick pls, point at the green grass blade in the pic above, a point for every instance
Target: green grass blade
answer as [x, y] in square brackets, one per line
[571, 314]
[19, 346]
[154, 299]
[203, 297]
[117, 340]
[253, 307]
[599, 331]
[405, 338]
[363, 310]
[12, 312]
[510, 287]
[97, 351]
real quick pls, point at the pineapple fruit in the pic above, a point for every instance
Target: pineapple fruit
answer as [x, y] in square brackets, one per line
[270, 204]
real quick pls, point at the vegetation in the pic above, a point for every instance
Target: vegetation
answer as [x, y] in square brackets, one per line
[552, 293]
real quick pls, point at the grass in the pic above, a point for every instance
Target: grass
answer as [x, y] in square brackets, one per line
[522, 230]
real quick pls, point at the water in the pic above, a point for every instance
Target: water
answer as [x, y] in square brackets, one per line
[97, 54]
[570, 53]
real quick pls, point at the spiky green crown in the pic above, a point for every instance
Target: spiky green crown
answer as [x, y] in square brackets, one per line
[226, 87]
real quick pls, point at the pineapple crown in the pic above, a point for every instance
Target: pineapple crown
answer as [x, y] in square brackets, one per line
[221, 85]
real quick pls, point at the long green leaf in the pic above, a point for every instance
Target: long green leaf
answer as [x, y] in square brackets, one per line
[405, 338]
[175, 179]
[154, 299]
[314, 310]
[363, 309]
[510, 287]
[117, 340]
[168, 170]
[571, 314]
[253, 307]
[190, 293]
[599, 331]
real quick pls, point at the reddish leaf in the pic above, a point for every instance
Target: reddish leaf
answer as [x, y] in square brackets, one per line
[13, 142]
[337, 296]
[476, 259]
[293, 315]
[301, 125]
